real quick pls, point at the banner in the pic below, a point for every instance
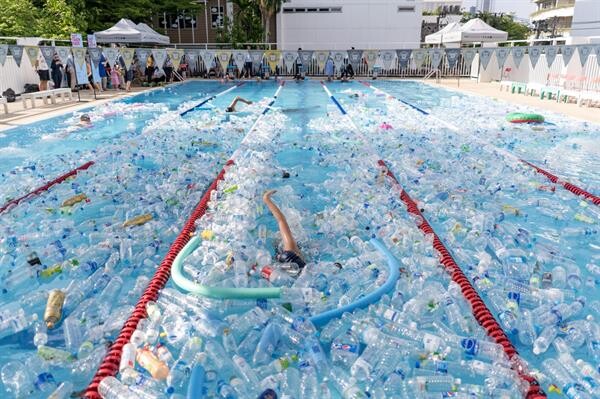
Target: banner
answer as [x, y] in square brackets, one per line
[63, 53]
[584, 52]
[321, 57]
[95, 55]
[3, 53]
[485, 55]
[257, 58]
[289, 58]
[208, 57]
[91, 41]
[436, 55]
[403, 58]
[502, 55]
[223, 56]
[48, 54]
[452, 55]
[550, 54]
[76, 40]
[17, 53]
[175, 55]
[468, 55]
[338, 59]
[160, 56]
[32, 53]
[534, 55]
[355, 58]
[239, 58]
[127, 54]
[306, 57]
[80, 65]
[143, 54]
[386, 58]
[597, 51]
[95, 73]
[370, 57]
[273, 57]
[567, 53]
[111, 54]
[419, 57]
[518, 53]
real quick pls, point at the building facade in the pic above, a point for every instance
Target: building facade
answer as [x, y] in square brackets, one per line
[575, 19]
[452, 7]
[342, 24]
[439, 13]
[485, 5]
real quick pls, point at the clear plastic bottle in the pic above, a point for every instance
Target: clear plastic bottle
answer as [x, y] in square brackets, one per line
[63, 391]
[434, 383]
[267, 344]
[562, 378]
[111, 388]
[344, 349]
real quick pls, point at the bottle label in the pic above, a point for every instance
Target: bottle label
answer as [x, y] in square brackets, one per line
[470, 345]
[266, 272]
[345, 347]
[390, 315]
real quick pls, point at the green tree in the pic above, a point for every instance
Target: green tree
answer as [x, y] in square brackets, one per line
[504, 22]
[268, 8]
[244, 27]
[58, 20]
[18, 18]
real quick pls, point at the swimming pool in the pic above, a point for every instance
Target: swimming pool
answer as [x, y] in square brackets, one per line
[523, 242]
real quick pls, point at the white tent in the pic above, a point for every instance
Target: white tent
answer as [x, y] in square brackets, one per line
[126, 31]
[475, 31]
[438, 37]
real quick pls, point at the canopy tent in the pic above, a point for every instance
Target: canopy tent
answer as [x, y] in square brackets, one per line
[475, 31]
[126, 31]
[437, 37]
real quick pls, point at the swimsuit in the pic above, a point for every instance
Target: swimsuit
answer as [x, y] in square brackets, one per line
[290, 257]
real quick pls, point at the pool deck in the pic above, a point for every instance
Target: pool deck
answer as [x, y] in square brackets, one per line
[590, 114]
[18, 116]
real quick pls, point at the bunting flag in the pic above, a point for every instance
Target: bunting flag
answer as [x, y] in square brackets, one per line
[338, 59]
[584, 52]
[95, 55]
[208, 57]
[468, 55]
[550, 52]
[306, 58]
[534, 55]
[223, 56]
[386, 58]
[127, 54]
[355, 58]
[175, 55]
[502, 55]
[273, 57]
[143, 54]
[485, 55]
[47, 53]
[95, 73]
[160, 56]
[257, 58]
[567, 53]
[321, 57]
[191, 56]
[80, 67]
[518, 53]
[111, 54]
[452, 55]
[32, 53]
[419, 57]
[370, 57]
[436, 55]
[17, 53]
[403, 58]
[289, 58]
[3, 53]
[239, 58]
[597, 51]
[63, 53]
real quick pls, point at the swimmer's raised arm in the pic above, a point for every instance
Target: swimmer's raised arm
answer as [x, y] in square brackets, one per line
[289, 243]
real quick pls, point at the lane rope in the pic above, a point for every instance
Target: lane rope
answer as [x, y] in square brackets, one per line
[201, 103]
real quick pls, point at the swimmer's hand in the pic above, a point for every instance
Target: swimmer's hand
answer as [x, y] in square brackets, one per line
[267, 195]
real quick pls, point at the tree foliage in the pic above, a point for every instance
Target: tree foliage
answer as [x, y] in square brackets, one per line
[504, 22]
[246, 26]
[17, 18]
[268, 8]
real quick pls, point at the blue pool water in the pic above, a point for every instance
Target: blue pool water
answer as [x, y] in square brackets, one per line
[511, 231]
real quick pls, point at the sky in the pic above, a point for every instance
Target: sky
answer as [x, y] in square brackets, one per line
[522, 8]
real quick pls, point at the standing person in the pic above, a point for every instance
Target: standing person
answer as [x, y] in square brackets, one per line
[115, 76]
[91, 84]
[329, 69]
[299, 67]
[102, 72]
[56, 66]
[149, 68]
[41, 66]
[129, 74]
[70, 71]
[168, 68]
[248, 64]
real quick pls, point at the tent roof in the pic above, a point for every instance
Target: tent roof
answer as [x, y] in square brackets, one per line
[475, 30]
[436, 38]
[126, 31]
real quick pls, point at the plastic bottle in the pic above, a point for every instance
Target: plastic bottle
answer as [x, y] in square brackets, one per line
[63, 391]
[147, 360]
[111, 388]
[562, 378]
[344, 349]
[53, 312]
[128, 356]
[267, 344]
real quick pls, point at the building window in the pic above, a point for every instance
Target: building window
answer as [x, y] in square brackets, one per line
[289, 10]
[406, 9]
[216, 15]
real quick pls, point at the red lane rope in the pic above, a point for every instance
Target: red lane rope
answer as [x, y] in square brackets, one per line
[110, 364]
[571, 187]
[480, 311]
[46, 186]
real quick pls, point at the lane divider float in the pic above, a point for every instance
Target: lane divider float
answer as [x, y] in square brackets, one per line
[45, 187]
[201, 103]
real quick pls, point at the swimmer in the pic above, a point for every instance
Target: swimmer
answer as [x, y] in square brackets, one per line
[84, 121]
[291, 252]
[231, 107]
